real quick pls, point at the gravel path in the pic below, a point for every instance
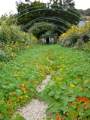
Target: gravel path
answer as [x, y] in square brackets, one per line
[36, 109]
[44, 83]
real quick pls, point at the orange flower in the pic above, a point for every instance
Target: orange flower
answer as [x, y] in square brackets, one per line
[58, 117]
[83, 99]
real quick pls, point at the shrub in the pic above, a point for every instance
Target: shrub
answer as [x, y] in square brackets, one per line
[33, 39]
[86, 47]
[12, 33]
[3, 56]
[10, 20]
[38, 29]
[75, 35]
[12, 40]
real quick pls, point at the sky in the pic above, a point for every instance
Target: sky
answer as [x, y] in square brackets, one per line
[7, 6]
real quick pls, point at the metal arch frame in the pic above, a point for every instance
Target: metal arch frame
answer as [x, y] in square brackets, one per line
[58, 19]
[48, 9]
[49, 19]
[60, 23]
[58, 29]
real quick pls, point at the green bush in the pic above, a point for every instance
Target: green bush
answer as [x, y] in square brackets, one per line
[34, 40]
[41, 28]
[3, 56]
[86, 46]
[10, 20]
[12, 39]
[75, 36]
[12, 33]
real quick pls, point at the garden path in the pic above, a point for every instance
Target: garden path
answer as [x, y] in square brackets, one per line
[36, 109]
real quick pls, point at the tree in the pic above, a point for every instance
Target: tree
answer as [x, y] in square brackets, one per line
[26, 7]
[55, 3]
[85, 12]
[62, 3]
[24, 10]
[68, 3]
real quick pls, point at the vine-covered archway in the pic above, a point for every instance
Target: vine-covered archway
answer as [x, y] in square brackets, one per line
[56, 12]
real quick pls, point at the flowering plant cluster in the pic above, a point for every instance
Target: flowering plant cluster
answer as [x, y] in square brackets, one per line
[75, 35]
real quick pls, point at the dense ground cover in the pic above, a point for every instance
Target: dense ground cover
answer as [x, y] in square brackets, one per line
[67, 93]
[19, 77]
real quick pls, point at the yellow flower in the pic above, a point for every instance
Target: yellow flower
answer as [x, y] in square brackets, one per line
[72, 85]
[23, 87]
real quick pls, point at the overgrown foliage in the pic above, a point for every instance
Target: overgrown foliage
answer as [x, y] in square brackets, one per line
[76, 36]
[61, 15]
[12, 38]
[70, 81]
[8, 19]
[12, 34]
[39, 29]
[68, 91]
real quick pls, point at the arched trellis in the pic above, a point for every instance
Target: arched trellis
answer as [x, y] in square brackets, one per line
[57, 16]
[69, 11]
[55, 20]
[60, 13]
[57, 29]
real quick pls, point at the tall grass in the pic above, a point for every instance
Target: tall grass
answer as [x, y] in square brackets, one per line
[12, 39]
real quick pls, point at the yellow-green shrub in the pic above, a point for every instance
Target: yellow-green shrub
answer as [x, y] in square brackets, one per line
[12, 33]
[33, 39]
[75, 34]
[12, 40]
[86, 46]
